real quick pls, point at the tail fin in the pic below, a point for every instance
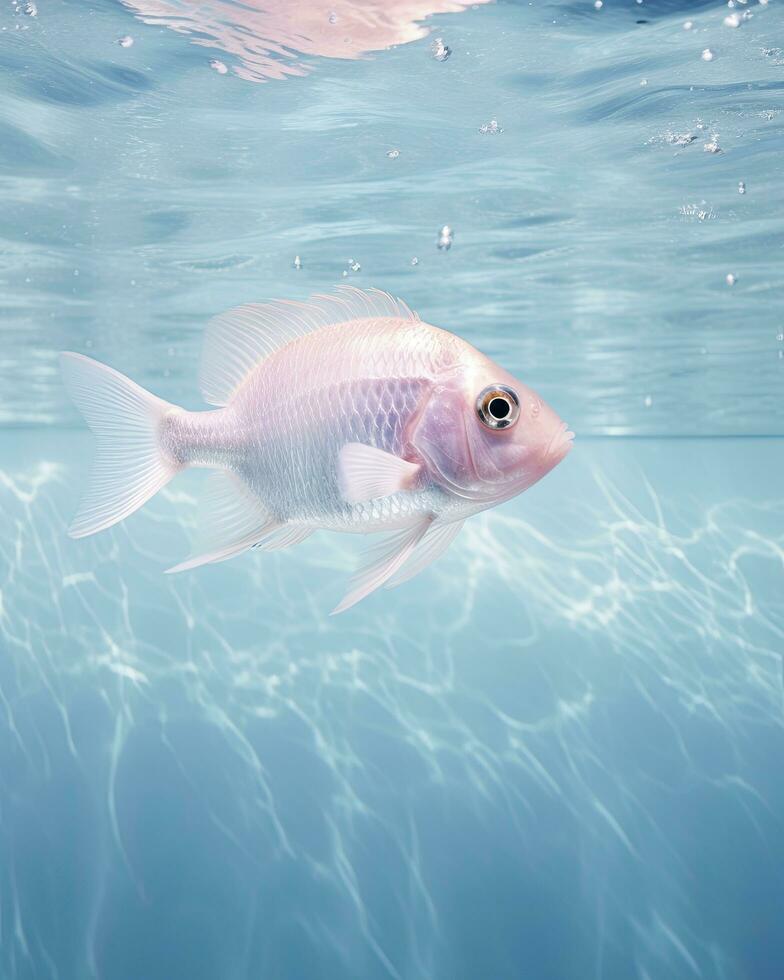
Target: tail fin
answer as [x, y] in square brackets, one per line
[129, 466]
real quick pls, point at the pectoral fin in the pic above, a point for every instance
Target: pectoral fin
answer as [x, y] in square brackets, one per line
[381, 561]
[365, 473]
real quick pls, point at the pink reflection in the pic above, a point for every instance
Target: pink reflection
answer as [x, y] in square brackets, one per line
[265, 36]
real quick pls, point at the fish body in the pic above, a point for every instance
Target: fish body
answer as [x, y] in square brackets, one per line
[345, 413]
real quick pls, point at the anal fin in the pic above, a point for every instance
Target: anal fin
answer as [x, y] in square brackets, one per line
[284, 536]
[231, 520]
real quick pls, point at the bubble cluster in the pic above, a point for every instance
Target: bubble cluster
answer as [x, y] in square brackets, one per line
[702, 211]
[351, 266]
[680, 139]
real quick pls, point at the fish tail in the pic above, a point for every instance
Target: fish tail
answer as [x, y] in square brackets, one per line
[130, 465]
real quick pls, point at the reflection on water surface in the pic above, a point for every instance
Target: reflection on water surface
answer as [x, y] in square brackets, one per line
[265, 36]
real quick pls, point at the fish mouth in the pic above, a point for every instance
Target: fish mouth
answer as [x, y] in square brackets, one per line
[559, 445]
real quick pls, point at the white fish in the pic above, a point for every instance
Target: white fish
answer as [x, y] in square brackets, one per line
[346, 412]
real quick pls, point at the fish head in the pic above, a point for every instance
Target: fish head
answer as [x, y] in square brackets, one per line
[486, 436]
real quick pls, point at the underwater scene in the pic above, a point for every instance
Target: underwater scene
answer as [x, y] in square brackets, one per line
[553, 751]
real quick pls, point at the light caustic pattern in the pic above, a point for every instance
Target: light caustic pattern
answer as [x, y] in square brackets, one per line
[579, 700]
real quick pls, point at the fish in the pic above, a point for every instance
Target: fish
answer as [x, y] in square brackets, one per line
[345, 413]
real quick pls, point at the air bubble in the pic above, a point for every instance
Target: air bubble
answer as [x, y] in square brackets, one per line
[445, 238]
[393, 154]
[731, 279]
[598, 4]
[741, 186]
[647, 401]
[439, 50]
[687, 26]
[707, 55]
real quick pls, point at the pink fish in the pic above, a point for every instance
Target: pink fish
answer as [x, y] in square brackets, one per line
[346, 413]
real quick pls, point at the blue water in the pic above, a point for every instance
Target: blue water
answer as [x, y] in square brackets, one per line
[556, 754]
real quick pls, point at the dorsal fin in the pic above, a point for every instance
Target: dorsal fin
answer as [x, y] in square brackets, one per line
[236, 341]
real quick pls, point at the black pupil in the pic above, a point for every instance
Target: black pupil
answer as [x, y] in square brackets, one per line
[499, 408]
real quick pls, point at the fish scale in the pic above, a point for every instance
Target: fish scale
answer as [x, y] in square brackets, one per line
[293, 466]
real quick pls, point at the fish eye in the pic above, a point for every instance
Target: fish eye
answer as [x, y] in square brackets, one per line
[498, 407]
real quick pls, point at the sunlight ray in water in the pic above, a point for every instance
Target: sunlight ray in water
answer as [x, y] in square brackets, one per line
[636, 611]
